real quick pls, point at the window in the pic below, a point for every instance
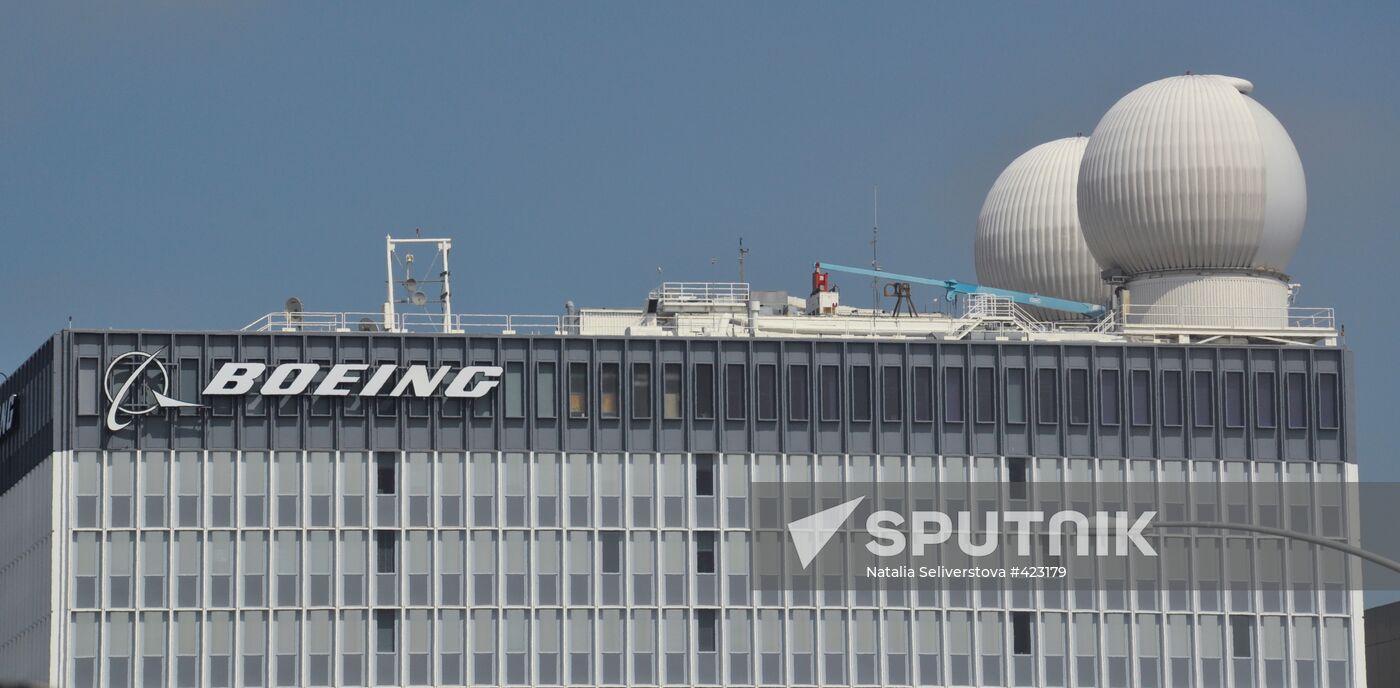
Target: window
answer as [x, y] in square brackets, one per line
[892, 401]
[799, 406]
[386, 622]
[1047, 389]
[419, 407]
[515, 389]
[767, 392]
[449, 407]
[289, 406]
[187, 386]
[704, 551]
[704, 475]
[612, 551]
[671, 406]
[483, 407]
[831, 392]
[385, 549]
[1328, 406]
[1110, 401]
[984, 389]
[1234, 399]
[735, 392]
[1021, 633]
[1018, 470]
[610, 390]
[1171, 398]
[860, 393]
[707, 630]
[1202, 399]
[953, 394]
[546, 385]
[90, 392]
[641, 391]
[1015, 396]
[385, 465]
[1241, 637]
[704, 391]
[1142, 397]
[1265, 400]
[578, 389]
[386, 406]
[219, 406]
[1297, 395]
[923, 394]
[1078, 396]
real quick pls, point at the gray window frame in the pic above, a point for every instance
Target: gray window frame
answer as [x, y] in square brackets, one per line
[641, 399]
[799, 387]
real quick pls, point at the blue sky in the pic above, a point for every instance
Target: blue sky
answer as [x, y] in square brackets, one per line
[179, 165]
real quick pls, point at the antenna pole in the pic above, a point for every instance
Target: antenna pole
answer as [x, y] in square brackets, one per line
[875, 254]
[389, 283]
[446, 246]
[742, 253]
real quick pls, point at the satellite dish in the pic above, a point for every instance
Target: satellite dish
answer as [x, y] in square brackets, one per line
[367, 325]
[418, 298]
[293, 309]
[410, 284]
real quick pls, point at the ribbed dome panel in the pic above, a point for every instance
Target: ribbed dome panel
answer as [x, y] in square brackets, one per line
[1028, 236]
[1176, 176]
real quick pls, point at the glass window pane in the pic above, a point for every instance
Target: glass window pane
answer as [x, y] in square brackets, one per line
[831, 393]
[1047, 386]
[1079, 396]
[892, 398]
[1142, 397]
[1171, 398]
[515, 389]
[1016, 395]
[1203, 398]
[546, 383]
[1297, 401]
[984, 380]
[610, 390]
[1110, 402]
[1265, 400]
[923, 394]
[671, 401]
[578, 389]
[798, 390]
[641, 391]
[705, 391]
[1328, 406]
[953, 394]
[860, 393]
[767, 392]
[736, 392]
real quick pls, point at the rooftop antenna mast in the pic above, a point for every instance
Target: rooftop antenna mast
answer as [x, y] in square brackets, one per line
[411, 285]
[875, 254]
[743, 252]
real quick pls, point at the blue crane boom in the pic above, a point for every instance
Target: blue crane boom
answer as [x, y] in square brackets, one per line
[1092, 310]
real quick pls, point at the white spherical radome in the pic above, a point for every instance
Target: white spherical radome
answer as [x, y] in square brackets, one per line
[1190, 173]
[1028, 234]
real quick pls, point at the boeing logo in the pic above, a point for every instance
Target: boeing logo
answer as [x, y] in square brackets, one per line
[7, 413]
[121, 410]
[287, 379]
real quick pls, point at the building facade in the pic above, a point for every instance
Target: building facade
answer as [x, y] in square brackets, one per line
[587, 521]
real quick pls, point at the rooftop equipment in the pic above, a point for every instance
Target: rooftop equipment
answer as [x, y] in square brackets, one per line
[954, 287]
[1028, 234]
[1193, 194]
